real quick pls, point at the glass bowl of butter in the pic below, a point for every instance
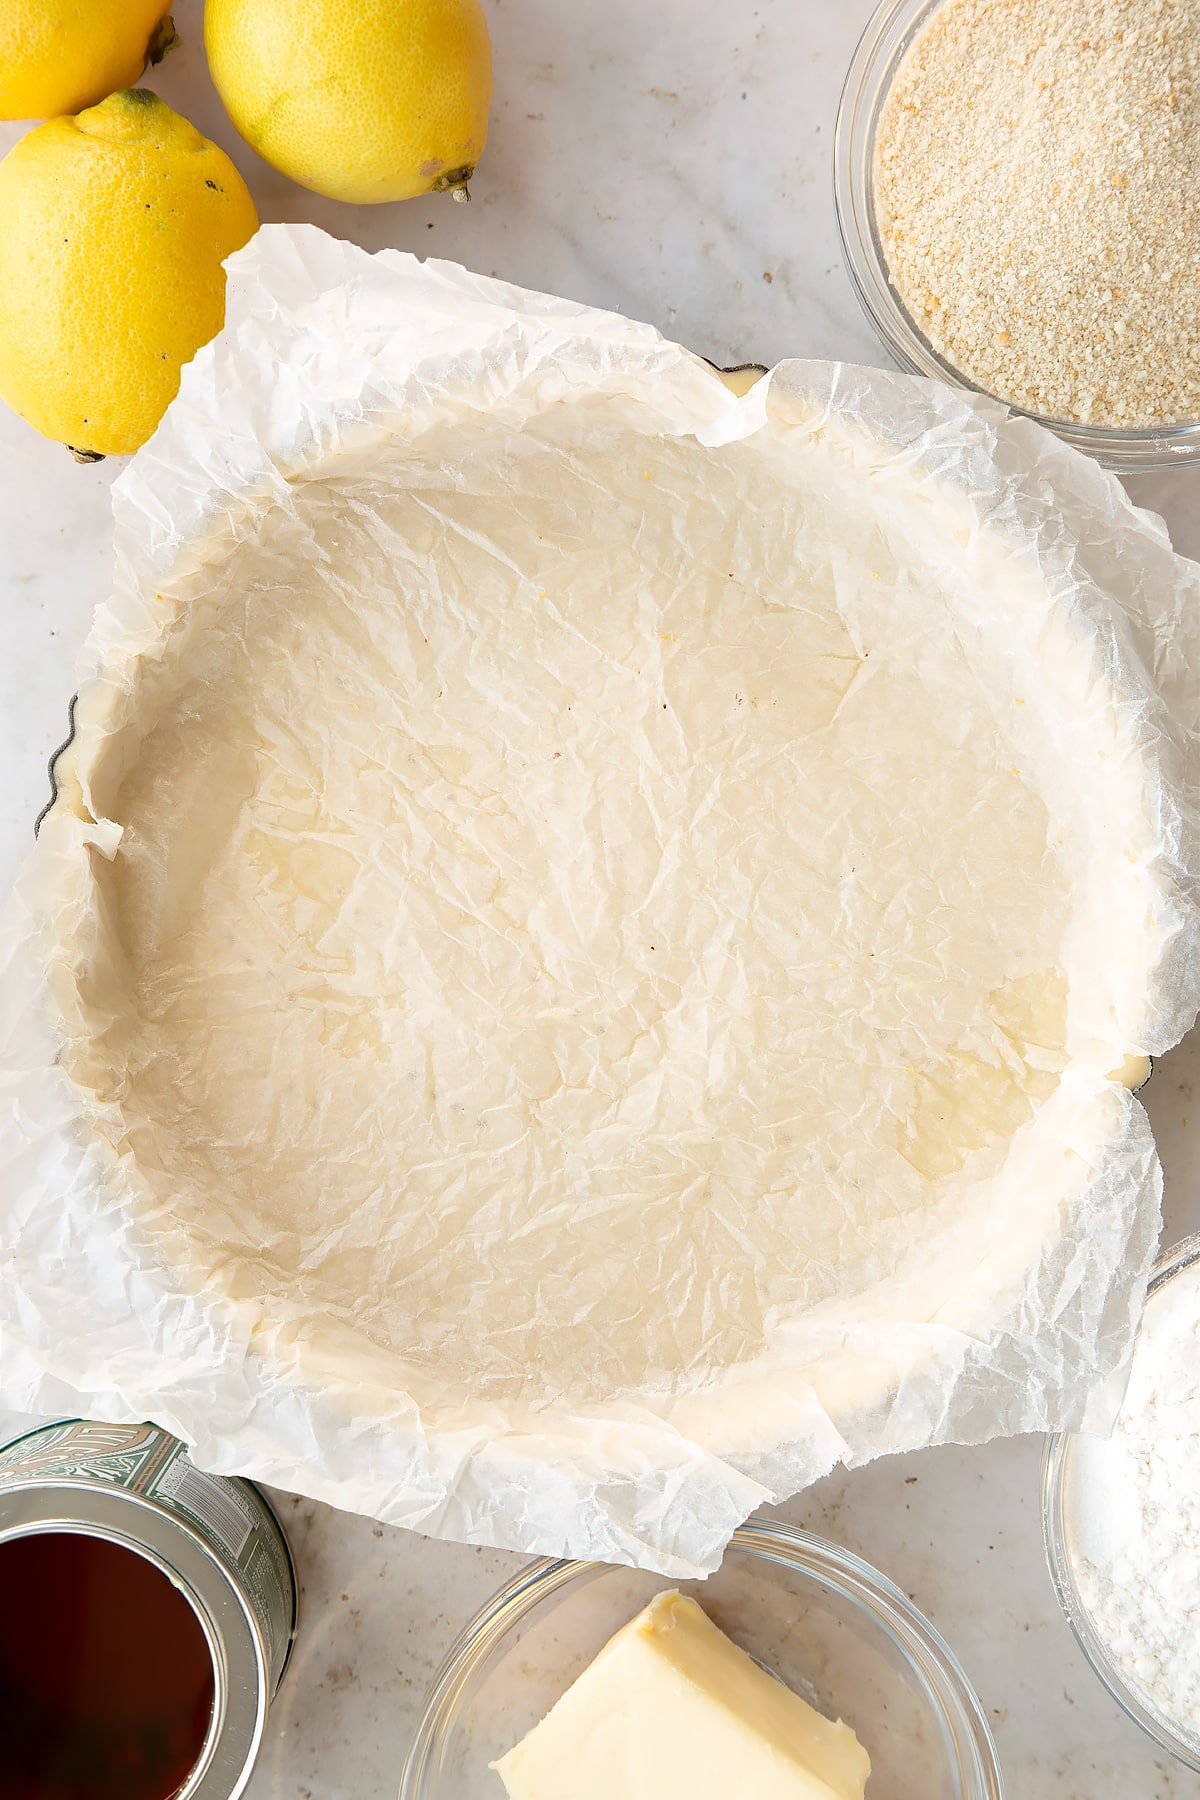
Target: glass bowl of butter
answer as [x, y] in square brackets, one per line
[790, 1673]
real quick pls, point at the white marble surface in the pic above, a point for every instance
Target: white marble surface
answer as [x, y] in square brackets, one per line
[671, 160]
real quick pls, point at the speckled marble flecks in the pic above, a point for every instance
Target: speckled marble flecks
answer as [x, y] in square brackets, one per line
[671, 161]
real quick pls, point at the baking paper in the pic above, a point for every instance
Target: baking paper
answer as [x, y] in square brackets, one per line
[582, 968]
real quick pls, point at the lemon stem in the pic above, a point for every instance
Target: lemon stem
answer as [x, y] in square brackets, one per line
[86, 456]
[164, 37]
[454, 182]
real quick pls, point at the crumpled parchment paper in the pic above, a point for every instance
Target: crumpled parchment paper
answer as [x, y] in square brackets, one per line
[580, 970]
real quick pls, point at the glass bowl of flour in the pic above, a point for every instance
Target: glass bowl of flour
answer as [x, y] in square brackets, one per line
[1122, 1521]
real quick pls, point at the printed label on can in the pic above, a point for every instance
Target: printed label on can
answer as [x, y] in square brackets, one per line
[226, 1512]
[216, 1507]
[121, 1454]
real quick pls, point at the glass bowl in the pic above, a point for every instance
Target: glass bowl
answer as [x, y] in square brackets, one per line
[1062, 1484]
[872, 68]
[822, 1620]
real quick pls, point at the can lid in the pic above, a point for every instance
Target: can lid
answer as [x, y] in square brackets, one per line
[241, 1677]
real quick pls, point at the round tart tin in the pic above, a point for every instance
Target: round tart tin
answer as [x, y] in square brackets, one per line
[216, 1540]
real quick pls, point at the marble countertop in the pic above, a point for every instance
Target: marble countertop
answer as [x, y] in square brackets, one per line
[671, 161]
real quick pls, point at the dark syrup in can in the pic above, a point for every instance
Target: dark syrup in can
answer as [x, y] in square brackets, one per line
[107, 1683]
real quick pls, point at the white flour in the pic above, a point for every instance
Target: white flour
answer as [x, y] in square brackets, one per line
[1136, 1512]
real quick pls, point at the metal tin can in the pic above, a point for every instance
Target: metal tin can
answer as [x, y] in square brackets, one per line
[216, 1539]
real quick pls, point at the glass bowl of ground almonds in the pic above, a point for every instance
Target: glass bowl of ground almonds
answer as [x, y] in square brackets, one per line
[1018, 192]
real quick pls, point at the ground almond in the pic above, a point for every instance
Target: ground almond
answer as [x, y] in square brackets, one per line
[1037, 193]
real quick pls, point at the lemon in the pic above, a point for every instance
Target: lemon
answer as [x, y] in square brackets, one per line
[113, 227]
[356, 99]
[59, 55]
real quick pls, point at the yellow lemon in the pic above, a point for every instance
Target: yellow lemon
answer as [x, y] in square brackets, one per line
[59, 55]
[113, 228]
[357, 99]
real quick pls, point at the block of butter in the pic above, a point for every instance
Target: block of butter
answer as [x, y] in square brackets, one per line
[672, 1710]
